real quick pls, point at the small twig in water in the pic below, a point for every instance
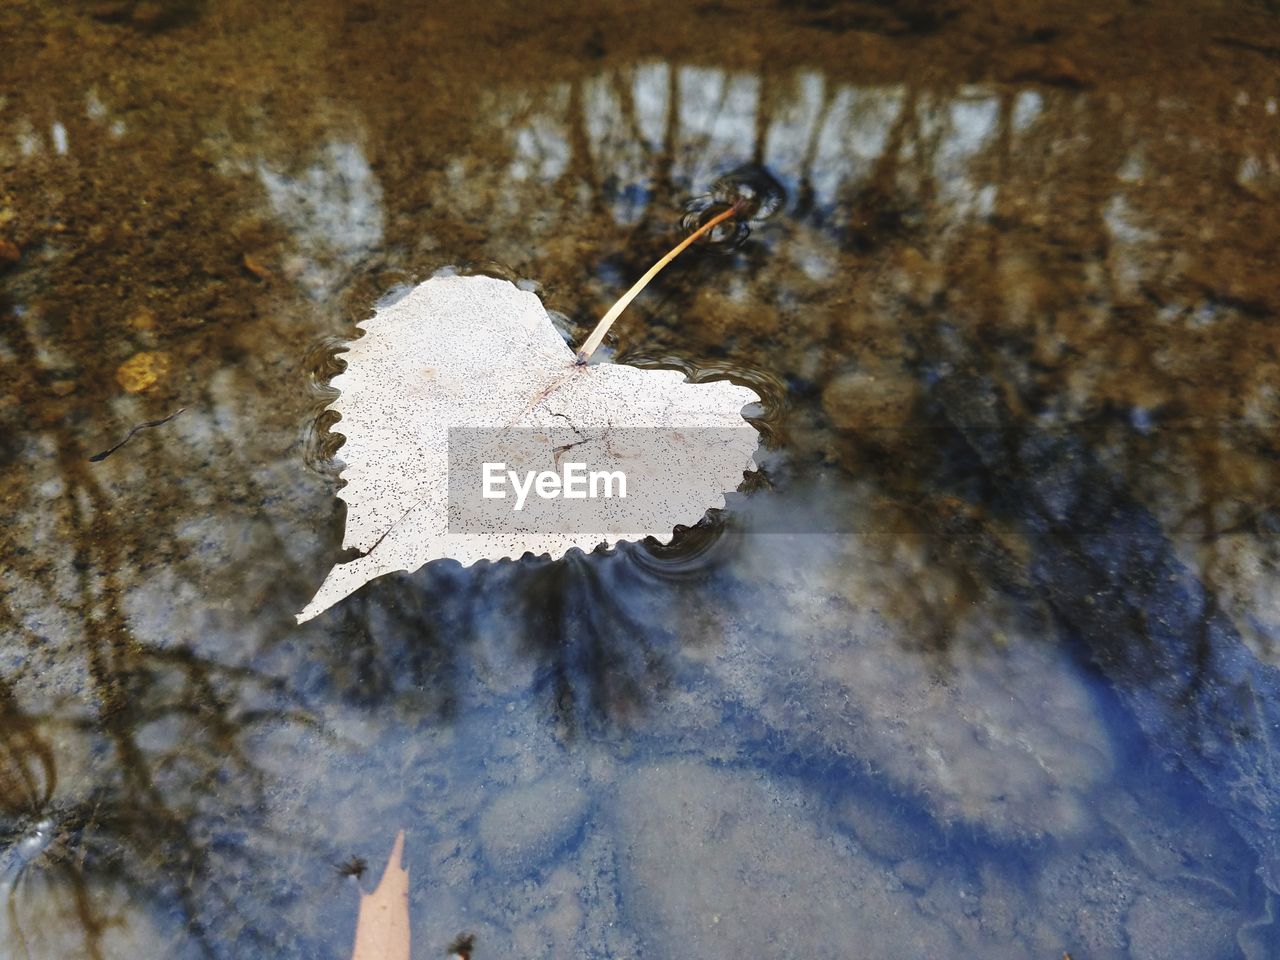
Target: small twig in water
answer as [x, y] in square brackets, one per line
[129, 436]
[597, 335]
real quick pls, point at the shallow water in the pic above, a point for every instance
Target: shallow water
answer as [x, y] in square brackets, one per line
[985, 663]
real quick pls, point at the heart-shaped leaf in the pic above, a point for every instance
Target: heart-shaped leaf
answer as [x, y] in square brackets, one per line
[467, 371]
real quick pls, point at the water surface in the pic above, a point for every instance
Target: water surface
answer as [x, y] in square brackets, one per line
[985, 664]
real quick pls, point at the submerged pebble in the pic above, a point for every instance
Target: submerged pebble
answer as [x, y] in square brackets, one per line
[143, 370]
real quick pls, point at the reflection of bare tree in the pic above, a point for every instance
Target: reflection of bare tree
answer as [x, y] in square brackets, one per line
[601, 659]
[594, 627]
[1114, 582]
[1006, 244]
[27, 771]
[141, 819]
[1038, 250]
[959, 268]
[152, 784]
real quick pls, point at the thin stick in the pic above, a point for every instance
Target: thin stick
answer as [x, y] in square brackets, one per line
[597, 335]
[99, 457]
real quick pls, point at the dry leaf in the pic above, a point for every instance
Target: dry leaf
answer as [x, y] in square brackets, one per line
[256, 267]
[481, 357]
[382, 931]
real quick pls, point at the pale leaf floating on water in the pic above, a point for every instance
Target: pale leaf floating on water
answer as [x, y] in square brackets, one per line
[478, 354]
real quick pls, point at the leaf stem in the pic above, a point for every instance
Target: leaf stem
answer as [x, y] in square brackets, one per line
[593, 342]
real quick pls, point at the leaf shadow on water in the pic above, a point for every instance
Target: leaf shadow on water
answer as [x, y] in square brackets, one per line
[591, 627]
